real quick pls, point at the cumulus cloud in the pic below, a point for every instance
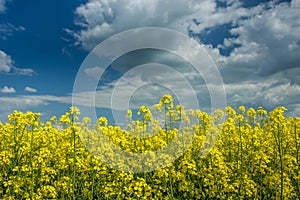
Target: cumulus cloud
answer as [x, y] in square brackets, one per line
[8, 90]
[269, 93]
[295, 3]
[268, 42]
[100, 19]
[5, 62]
[94, 72]
[30, 89]
[7, 66]
[116, 94]
[135, 89]
[267, 35]
[263, 41]
[264, 65]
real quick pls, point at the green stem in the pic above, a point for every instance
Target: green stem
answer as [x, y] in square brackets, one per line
[93, 182]
[166, 129]
[74, 156]
[31, 163]
[297, 155]
[171, 184]
[240, 154]
[281, 163]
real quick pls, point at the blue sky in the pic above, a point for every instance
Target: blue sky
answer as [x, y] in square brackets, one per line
[255, 45]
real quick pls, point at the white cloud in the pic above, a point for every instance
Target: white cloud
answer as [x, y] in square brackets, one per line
[23, 71]
[29, 102]
[267, 34]
[270, 92]
[5, 62]
[233, 13]
[7, 66]
[269, 41]
[265, 41]
[8, 29]
[29, 89]
[295, 3]
[100, 19]
[24, 101]
[8, 90]
[2, 6]
[145, 84]
[94, 72]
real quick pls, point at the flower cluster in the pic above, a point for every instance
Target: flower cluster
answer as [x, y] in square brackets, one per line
[255, 155]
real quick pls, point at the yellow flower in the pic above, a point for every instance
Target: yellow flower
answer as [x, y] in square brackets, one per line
[166, 101]
[129, 114]
[102, 121]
